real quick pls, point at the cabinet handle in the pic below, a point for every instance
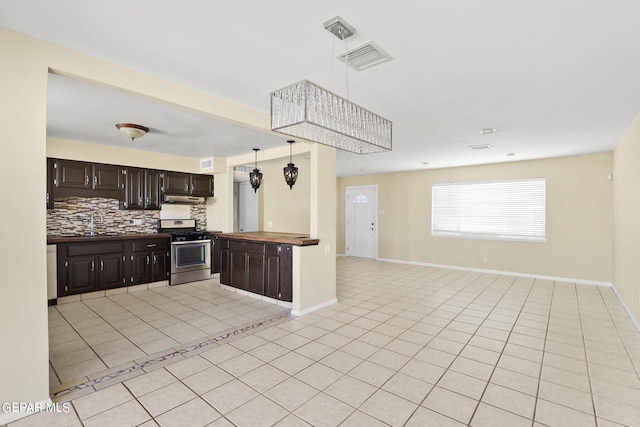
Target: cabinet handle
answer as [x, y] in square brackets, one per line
[93, 266]
[95, 180]
[101, 265]
[155, 259]
[147, 200]
[86, 180]
[151, 245]
[147, 259]
[140, 200]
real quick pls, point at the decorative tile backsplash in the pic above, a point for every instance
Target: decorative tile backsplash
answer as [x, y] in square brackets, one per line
[72, 217]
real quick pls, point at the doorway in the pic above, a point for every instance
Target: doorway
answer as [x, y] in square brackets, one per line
[361, 216]
[246, 207]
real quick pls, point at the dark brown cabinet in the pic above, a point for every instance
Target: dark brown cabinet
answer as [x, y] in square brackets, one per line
[107, 177]
[91, 266]
[152, 189]
[98, 265]
[150, 261]
[202, 185]
[72, 174]
[68, 178]
[188, 184]
[261, 268]
[142, 189]
[136, 188]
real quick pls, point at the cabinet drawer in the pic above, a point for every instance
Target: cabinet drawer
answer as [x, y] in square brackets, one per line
[150, 245]
[94, 248]
[246, 246]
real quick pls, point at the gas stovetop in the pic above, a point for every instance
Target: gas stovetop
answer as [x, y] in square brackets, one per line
[182, 230]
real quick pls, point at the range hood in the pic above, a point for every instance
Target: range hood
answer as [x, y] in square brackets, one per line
[182, 200]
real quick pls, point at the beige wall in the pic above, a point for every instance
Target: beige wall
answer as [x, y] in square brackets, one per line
[626, 208]
[23, 306]
[287, 209]
[579, 219]
[78, 150]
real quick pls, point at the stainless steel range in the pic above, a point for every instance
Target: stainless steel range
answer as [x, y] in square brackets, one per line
[190, 250]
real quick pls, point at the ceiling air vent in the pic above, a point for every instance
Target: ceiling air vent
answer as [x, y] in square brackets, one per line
[365, 56]
[480, 146]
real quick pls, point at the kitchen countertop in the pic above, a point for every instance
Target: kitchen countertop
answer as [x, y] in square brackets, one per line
[103, 237]
[265, 236]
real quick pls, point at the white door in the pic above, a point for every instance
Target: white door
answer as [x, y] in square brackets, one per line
[247, 208]
[361, 224]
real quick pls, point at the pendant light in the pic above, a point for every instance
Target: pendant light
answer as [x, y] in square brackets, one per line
[290, 171]
[255, 177]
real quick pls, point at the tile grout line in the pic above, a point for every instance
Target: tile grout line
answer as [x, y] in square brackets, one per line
[180, 352]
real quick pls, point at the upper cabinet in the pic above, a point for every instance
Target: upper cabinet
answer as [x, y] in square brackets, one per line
[74, 178]
[188, 184]
[137, 188]
[142, 189]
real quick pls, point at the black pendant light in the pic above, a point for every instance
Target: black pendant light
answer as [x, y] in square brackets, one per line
[255, 177]
[290, 171]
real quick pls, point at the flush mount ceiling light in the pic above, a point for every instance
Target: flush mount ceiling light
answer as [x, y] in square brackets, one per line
[255, 177]
[308, 111]
[290, 171]
[131, 130]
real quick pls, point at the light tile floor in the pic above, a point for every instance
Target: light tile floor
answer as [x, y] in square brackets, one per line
[405, 345]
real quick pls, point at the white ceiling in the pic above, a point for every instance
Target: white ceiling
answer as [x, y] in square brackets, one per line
[554, 77]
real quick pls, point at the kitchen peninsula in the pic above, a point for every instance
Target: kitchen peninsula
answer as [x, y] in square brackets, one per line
[260, 262]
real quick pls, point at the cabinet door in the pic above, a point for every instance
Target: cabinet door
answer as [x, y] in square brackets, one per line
[202, 185]
[225, 266]
[255, 273]
[141, 269]
[176, 183]
[50, 176]
[107, 177]
[134, 189]
[152, 189]
[286, 273]
[71, 174]
[272, 276]
[111, 271]
[159, 265]
[81, 273]
[238, 277]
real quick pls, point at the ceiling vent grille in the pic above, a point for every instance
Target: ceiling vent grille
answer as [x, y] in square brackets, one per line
[243, 169]
[480, 146]
[365, 56]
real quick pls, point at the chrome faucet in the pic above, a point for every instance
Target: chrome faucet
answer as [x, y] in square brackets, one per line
[91, 232]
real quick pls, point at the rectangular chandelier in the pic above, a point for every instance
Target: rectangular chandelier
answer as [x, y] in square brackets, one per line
[307, 111]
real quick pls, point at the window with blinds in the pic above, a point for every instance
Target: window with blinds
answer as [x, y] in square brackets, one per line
[505, 210]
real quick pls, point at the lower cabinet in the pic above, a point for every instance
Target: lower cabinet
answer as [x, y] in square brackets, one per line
[87, 267]
[261, 268]
[93, 266]
[150, 261]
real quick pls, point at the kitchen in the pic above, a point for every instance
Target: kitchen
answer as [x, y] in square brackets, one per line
[219, 210]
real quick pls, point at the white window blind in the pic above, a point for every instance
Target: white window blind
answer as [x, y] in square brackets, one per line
[510, 210]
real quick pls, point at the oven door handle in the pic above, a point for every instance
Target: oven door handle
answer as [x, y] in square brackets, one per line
[191, 242]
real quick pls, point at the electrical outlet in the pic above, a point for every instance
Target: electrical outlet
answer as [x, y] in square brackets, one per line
[327, 248]
[270, 224]
[485, 259]
[137, 222]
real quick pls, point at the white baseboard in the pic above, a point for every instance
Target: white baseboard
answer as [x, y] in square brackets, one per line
[626, 308]
[314, 308]
[504, 273]
[9, 417]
